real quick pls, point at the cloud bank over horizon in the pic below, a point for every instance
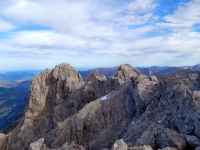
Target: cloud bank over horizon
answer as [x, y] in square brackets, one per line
[98, 33]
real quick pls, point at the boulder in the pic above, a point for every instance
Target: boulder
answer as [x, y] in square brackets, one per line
[193, 140]
[38, 145]
[170, 138]
[119, 145]
[144, 147]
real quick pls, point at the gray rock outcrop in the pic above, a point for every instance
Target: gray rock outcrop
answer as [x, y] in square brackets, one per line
[3, 141]
[126, 71]
[128, 111]
[144, 147]
[119, 145]
[193, 140]
[169, 138]
[38, 145]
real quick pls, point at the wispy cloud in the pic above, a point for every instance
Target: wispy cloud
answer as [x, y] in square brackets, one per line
[138, 6]
[5, 25]
[184, 18]
[93, 31]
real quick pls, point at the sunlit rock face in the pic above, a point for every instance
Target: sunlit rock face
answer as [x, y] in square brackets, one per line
[126, 111]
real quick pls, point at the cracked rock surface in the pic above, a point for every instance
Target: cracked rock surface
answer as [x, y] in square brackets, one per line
[137, 112]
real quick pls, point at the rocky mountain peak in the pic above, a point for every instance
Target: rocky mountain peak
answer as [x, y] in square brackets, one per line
[65, 71]
[95, 76]
[128, 111]
[196, 67]
[126, 72]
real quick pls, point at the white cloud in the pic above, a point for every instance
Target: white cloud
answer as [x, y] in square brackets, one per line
[44, 39]
[133, 19]
[5, 26]
[48, 13]
[97, 31]
[33, 43]
[50, 44]
[138, 6]
[184, 17]
[89, 19]
[74, 17]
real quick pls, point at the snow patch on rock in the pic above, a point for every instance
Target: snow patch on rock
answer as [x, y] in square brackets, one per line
[104, 97]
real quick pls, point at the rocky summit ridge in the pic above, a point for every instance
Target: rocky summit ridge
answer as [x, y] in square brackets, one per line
[129, 111]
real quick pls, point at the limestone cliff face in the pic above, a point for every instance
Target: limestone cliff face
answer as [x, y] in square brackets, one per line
[171, 117]
[55, 97]
[49, 90]
[128, 111]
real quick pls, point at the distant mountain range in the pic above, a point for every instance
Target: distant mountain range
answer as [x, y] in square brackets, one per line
[158, 71]
[10, 79]
[104, 71]
[149, 71]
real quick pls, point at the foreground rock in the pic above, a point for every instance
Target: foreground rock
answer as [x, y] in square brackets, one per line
[119, 145]
[128, 111]
[39, 145]
[3, 141]
[144, 147]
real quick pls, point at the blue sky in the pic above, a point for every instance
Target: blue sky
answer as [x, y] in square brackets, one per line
[38, 34]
